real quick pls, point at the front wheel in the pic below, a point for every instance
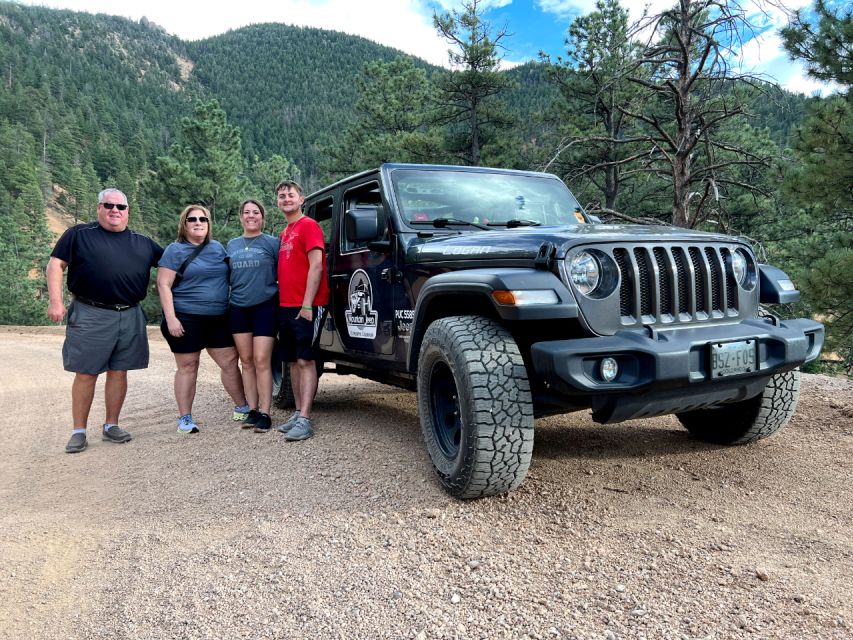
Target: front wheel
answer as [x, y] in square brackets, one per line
[747, 420]
[475, 407]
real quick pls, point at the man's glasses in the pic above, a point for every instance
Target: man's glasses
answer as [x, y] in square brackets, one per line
[199, 219]
[109, 206]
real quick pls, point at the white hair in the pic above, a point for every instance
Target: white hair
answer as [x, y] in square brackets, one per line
[103, 194]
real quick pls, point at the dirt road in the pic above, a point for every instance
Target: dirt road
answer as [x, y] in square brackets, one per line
[628, 531]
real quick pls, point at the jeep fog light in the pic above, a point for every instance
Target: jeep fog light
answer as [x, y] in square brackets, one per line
[585, 272]
[609, 369]
[524, 298]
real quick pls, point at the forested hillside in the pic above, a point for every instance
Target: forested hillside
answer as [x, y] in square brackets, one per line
[88, 101]
[290, 89]
[84, 101]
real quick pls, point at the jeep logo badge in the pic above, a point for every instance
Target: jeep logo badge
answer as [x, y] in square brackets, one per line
[361, 318]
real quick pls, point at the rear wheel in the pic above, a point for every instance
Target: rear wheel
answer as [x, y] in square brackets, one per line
[748, 420]
[282, 389]
[475, 407]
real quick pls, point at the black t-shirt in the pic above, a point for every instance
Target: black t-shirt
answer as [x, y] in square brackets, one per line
[107, 266]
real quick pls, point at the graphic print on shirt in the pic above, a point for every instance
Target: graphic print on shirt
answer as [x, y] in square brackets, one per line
[361, 318]
[287, 245]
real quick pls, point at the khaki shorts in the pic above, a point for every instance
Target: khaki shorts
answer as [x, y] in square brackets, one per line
[98, 340]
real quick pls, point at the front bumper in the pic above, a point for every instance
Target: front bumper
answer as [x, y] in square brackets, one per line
[668, 371]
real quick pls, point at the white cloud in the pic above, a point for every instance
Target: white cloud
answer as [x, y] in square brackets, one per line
[564, 9]
[766, 55]
[450, 5]
[761, 50]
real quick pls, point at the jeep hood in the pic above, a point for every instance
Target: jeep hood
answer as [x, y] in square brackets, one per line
[524, 243]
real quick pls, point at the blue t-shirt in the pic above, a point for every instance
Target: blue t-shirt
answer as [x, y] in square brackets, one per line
[204, 288]
[254, 264]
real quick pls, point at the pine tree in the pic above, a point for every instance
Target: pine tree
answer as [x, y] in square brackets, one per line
[393, 105]
[467, 100]
[685, 70]
[204, 166]
[596, 135]
[820, 181]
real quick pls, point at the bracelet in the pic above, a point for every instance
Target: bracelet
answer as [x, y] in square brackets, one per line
[308, 308]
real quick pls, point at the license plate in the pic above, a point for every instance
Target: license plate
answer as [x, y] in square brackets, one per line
[732, 358]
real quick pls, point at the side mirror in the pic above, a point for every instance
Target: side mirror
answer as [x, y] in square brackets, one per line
[362, 223]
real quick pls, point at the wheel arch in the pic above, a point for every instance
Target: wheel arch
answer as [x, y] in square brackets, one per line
[469, 293]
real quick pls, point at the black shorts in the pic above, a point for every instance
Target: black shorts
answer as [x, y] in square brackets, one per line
[259, 320]
[296, 336]
[200, 332]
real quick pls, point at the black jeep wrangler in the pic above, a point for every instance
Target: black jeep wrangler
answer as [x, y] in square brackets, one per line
[494, 295]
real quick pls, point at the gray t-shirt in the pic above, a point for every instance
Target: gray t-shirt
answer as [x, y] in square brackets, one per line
[204, 289]
[253, 269]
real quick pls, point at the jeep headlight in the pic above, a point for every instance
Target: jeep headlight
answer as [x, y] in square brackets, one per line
[739, 267]
[585, 272]
[743, 269]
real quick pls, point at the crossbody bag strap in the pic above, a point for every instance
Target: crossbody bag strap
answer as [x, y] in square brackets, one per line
[180, 272]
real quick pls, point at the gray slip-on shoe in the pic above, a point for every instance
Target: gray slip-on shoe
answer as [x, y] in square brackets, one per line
[116, 434]
[76, 444]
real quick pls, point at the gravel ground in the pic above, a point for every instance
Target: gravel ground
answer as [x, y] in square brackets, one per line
[626, 531]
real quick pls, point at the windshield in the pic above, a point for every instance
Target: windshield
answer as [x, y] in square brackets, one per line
[491, 199]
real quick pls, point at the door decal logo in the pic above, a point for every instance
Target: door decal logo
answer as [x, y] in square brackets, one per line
[361, 318]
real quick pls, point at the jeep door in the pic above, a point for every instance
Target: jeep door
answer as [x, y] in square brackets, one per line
[361, 284]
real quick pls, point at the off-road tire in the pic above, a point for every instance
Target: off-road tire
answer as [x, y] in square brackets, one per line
[748, 420]
[282, 390]
[475, 407]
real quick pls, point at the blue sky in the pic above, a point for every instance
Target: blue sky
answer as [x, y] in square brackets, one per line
[407, 24]
[532, 29]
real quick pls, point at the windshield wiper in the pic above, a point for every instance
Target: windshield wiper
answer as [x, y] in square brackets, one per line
[441, 223]
[515, 222]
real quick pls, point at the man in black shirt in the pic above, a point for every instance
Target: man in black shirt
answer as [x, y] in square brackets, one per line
[108, 271]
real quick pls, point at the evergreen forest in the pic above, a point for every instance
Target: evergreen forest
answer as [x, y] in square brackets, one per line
[656, 130]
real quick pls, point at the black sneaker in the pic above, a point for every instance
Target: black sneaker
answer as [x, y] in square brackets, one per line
[251, 419]
[76, 444]
[116, 434]
[264, 423]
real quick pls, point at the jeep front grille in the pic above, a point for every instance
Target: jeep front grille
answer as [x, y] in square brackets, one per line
[675, 284]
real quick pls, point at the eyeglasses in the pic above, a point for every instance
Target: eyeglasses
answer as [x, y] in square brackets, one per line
[109, 206]
[199, 219]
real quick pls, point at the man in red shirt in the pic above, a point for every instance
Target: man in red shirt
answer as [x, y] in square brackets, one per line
[303, 292]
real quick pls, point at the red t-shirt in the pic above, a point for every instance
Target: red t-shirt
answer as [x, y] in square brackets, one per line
[296, 241]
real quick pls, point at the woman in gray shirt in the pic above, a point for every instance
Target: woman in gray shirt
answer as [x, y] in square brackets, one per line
[253, 312]
[195, 306]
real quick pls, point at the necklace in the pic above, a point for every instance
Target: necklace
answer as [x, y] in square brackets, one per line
[248, 243]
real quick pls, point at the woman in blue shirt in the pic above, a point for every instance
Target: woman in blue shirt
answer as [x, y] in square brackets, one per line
[195, 312]
[253, 311]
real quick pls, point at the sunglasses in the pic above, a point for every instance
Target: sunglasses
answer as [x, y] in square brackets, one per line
[199, 219]
[109, 206]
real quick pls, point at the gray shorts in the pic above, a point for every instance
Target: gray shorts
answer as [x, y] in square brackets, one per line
[98, 340]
